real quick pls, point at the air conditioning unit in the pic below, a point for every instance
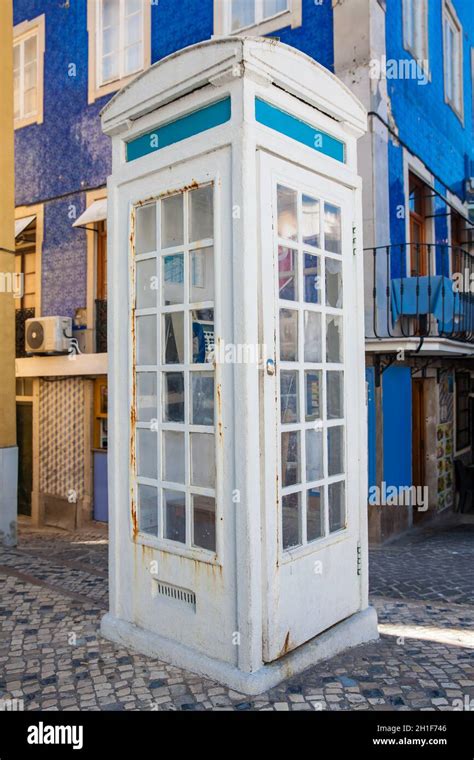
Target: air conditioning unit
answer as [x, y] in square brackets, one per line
[48, 335]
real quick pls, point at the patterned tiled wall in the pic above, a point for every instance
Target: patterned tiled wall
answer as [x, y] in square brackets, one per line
[61, 434]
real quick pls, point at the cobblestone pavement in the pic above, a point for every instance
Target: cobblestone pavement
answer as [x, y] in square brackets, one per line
[53, 594]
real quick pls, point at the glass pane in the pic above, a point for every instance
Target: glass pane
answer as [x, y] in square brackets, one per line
[28, 386]
[173, 456]
[334, 351]
[30, 101]
[314, 455]
[110, 40]
[243, 13]
[201, 214]
[133, 28]
[173, 279]
[313, 392]
[288, 273]
[287, 213]
[132, 6]
[291, 514]
[30, 77]
[172, 221]
[312, 278]
[146, 397]
[335, 394]
[337, 507]
[16, 95]
[289, 396]
[204, 522]
[202, 384]
[314, 513]
[201, 272]
[146, 284]
[16, 57]
[290, 458]
[110, 67]
[147, 464]
[335, 450]
[334, 283]
[145, 233]
[146, 340]
[311, 221]
[133, 58]
[288, 335]
[312, 337]
[202, 335]
[174, 503]
[110, 12]
[173, 388]
[271, 7]
[148, 509]
[332, 228]
[173, 338]
[30, 49]
[203, 467]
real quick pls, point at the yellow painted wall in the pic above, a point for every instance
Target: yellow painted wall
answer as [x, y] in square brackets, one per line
[7, 237]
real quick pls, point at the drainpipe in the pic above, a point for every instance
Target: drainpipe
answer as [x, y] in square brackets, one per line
[8, 445]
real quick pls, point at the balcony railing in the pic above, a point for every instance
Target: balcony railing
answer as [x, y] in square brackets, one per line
[420, 290]
[101, 326]
[21, 315]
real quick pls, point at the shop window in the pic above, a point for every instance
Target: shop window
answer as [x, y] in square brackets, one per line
[100, 413]
[463, 438]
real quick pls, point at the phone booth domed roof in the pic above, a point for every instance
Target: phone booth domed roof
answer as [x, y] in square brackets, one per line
[209, 62]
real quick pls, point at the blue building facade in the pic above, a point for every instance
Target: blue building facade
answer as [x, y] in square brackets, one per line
[416, 135]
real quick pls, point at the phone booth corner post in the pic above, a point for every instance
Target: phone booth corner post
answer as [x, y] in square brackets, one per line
[238, 466]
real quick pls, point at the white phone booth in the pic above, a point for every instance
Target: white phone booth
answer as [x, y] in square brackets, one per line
[238, 473]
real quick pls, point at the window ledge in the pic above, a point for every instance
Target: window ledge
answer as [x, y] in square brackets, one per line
[27, 121]
[291, 17]
[110, 87]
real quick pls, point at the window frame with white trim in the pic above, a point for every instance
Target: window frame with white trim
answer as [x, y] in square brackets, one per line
[453, 60]
[98, 86]
[22, 34]
[260, 24]
[415, 30]
[93, 220]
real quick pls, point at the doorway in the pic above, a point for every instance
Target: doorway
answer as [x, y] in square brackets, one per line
[418, 437]
[24, 431]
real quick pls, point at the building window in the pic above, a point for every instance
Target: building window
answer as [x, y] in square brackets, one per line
[452, 40]
[119, 43]
[255, 16]
[415, 28]
[463, 382]
[28, 52]
[100, 413]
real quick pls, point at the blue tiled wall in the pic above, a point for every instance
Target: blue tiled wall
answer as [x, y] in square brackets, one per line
[426, 124]
[68, 154]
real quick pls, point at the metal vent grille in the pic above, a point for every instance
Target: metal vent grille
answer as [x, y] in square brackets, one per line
[176, 593]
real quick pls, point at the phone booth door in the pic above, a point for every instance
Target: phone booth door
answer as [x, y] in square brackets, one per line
[311, 457]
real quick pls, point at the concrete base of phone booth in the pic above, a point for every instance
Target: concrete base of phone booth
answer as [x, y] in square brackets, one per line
[355, 630]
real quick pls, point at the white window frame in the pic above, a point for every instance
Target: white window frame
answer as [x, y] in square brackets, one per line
[21, 32]
[418, 45]
[94, 27]
[292, 17]
[450, 18]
